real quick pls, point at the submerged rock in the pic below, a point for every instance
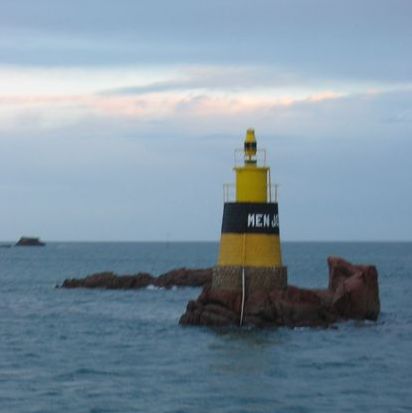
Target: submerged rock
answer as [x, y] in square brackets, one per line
[353, 293]
[181, 277]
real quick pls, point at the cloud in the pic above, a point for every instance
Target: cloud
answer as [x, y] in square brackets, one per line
[320, 39]
[218, 77]
[58, 111]
[55, 97]
[49, 98]
[188, 111]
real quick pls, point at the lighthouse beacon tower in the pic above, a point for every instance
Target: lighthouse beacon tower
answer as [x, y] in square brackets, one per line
[250, 257]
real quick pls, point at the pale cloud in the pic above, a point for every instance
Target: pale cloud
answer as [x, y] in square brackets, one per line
[55, 97]
[49, 111]
[52, 81]
[325, 112]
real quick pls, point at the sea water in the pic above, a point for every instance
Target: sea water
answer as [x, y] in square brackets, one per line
[123, 351]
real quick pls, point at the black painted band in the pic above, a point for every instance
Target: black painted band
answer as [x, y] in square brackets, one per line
[250, 146]
[242, 217]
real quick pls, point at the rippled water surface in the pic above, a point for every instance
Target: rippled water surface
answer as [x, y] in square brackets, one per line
[123, 351]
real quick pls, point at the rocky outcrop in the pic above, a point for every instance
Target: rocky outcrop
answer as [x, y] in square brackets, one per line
[355, 289]
[29, 242]
[353, 293]
[182, 277]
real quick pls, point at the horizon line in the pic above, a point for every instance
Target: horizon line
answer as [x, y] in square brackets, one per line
[214, 241]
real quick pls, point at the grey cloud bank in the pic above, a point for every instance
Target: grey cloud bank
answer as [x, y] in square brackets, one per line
[350, 39]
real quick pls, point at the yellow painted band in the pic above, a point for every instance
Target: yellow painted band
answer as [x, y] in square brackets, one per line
[254, 250]
[251, 184]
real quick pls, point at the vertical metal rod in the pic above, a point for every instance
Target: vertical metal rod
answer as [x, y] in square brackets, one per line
[243, 297]
[242, 308]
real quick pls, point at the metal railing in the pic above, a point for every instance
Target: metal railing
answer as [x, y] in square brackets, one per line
[229, 192]
[273, 190]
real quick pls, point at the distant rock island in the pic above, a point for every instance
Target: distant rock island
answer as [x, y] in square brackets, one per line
[353, 293]
[30, 242]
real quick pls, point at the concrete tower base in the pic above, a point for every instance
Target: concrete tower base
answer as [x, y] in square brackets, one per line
[229, 278]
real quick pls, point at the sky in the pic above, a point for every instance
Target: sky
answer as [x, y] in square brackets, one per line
[118, 119]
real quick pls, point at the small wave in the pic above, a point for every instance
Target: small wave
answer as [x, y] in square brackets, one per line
[153, 287]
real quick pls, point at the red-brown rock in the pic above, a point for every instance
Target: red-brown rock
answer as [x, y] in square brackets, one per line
[353, 293]
[182, 277]
[356, 289]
